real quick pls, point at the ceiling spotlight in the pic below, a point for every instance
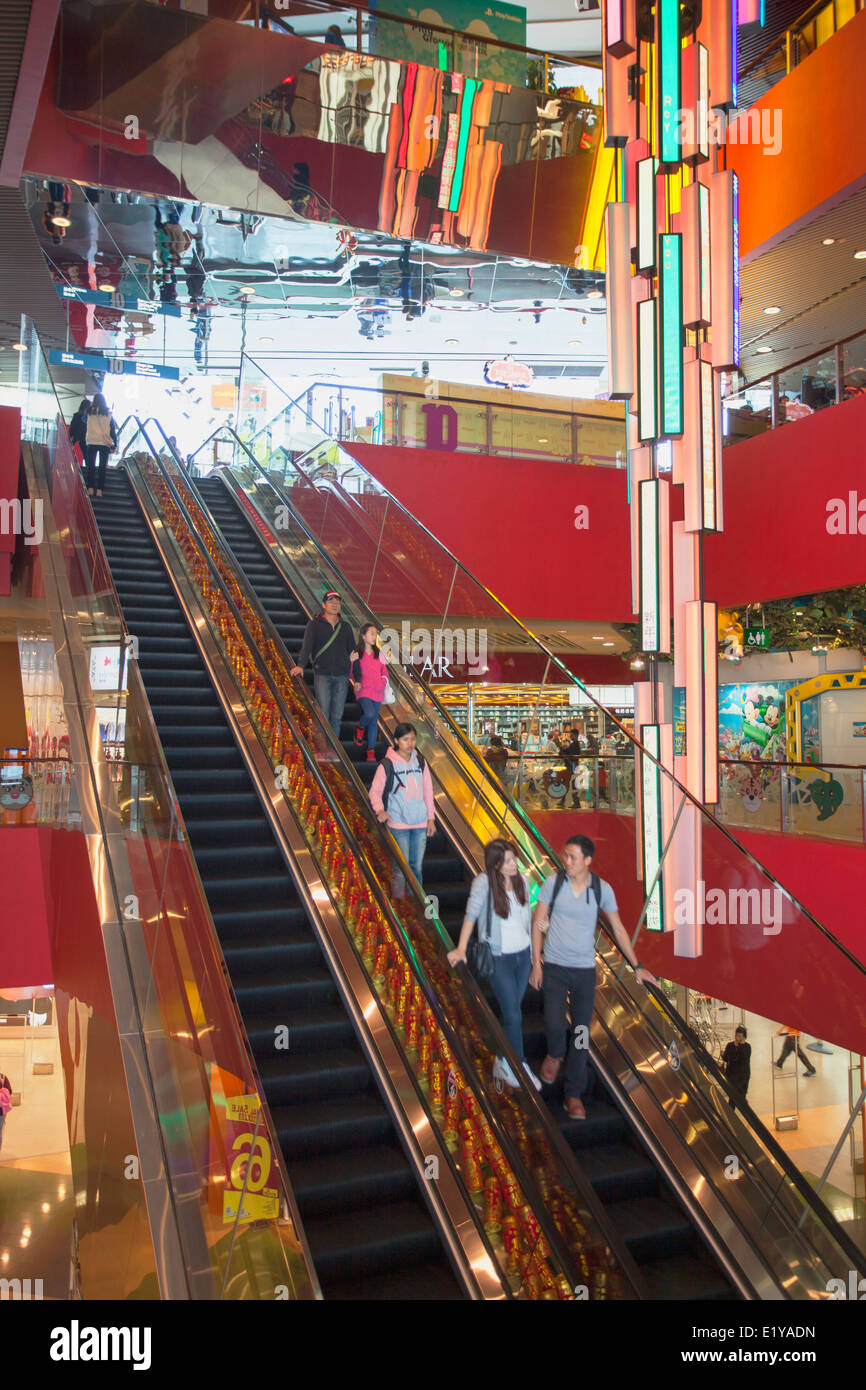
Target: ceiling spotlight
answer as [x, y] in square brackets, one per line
[638, 664]
[266, 340]
[595, 294]
[763, 349]
[829, 241]
[61, 221]
[455, 293]
[608, 644]
[108, 288]
[20, 347]
[543, 439]
[452, 342]
[598, 638]
[860, 255]
[773, 309]
[247, 289]
[574, 343]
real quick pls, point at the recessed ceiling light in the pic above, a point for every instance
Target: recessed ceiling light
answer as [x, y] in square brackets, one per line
[860, 255]
[829, 241]
[452, 342]
[773, 309]
[266, 340]
[607, 644]
[61, 221]
[598, 638]
[575, 342]
[763, 349]
[595, 294]
[455, 293]
[108, 288]
[248, 289]
[543, 439]
[20, 347]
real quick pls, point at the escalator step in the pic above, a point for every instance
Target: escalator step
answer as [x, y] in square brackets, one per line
[651, 1227]
[356, 1243]
[686, 1277]
[353, 1123]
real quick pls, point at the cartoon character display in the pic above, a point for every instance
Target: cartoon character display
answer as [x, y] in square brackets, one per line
[763, 723]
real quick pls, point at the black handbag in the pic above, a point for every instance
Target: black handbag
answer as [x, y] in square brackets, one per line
[478, 953]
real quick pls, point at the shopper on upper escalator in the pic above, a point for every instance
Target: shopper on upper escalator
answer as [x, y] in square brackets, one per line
[401, 794]
[369, 677]
[499, 907]
[329, 646]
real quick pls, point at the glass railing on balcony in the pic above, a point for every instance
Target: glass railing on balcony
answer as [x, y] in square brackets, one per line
[512, 427]
[196, 1090]
[320, 535]
[836, 374]
[553, 1231]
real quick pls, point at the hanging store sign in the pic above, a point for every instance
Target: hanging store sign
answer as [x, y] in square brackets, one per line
[116, 366]
[118, 301]
[504, 371]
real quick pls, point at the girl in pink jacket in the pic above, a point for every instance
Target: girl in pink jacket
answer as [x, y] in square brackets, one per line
[402, 797]
[369, 676]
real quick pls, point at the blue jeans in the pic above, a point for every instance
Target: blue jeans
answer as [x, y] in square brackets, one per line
[509, 981]
[370, 719]
[413, 843]
[331, 693]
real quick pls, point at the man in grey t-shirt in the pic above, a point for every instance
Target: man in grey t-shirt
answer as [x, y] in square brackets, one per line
[568, 974]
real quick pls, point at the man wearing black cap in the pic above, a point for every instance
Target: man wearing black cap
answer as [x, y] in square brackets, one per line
[329, 646]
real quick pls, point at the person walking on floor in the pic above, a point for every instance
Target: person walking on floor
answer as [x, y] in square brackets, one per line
[329, 646]
[401, 794]
[565, 921]
[499, 906]
[5, 1103]
[369, 677]
[792, 1040]
[737, 1061]
[101, 441]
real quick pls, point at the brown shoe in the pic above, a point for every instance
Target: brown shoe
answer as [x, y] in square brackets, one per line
[550, 1069]
[574, 1108]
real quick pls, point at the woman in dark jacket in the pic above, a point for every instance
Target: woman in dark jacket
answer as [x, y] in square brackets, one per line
[78, 427]
[101, 441]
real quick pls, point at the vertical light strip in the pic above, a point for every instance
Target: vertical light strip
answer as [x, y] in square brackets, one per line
[655, 563]
[448, 159]
[646, 197]
[725, 270]
[671, 333]
[646, 370]
[651, 821]
[618, 275]
[705, 253]
[708, 447]
[669, 96]
[711, 703]
[462, 142]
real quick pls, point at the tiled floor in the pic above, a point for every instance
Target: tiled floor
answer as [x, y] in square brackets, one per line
[36, 1197]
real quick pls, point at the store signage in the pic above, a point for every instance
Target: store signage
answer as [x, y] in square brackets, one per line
[671, 332]
[755, 637]
[670, 80]
[647, 242]
[647, 417]
[504, 371]
[117, 366]
[118, 301]
[651, 816]
[250, 1192]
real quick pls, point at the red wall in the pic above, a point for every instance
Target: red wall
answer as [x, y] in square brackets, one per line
[511, 522]
[24, 859]
[794, 977]
[775, 543]
[10, 455]
[777, 486]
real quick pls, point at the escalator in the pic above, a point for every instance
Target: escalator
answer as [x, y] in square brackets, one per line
[655, 1228]
[369, 1231]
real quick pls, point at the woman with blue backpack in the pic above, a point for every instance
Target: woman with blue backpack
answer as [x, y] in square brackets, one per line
[499, 906]
[401, 794]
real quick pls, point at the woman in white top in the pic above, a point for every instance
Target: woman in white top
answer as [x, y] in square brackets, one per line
[499, 904]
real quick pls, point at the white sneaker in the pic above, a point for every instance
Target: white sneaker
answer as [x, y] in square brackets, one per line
[531, 1074]
[503, 1072]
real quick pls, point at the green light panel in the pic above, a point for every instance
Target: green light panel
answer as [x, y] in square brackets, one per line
[671, 333]
[669, 49]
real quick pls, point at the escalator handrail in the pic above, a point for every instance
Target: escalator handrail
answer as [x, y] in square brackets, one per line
[679, 1024]
[452, 1034]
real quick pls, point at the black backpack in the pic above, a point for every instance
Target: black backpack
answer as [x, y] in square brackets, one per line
[390, 770]
[594, 883]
